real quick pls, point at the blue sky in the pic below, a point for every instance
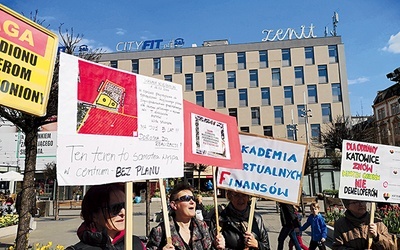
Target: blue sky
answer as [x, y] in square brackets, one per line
[370, 30]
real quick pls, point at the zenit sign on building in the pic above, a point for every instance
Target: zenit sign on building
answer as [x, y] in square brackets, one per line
[27, 54]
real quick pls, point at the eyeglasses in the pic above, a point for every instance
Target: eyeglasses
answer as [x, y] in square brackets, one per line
[114, 209]
[186, 198]
[357, 202]
[239, 195]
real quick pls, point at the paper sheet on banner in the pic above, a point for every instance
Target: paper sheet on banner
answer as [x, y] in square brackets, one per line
[272, 169]
[370, 172]
[116, 126]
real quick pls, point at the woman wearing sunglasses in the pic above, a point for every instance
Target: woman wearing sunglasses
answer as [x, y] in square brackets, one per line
[234, 223]
[103, 212]
[187, 232]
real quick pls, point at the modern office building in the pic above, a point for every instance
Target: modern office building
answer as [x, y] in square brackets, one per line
[282, 88]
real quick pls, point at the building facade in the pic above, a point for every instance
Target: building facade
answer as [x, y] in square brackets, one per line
[387, 115]
[285, 89]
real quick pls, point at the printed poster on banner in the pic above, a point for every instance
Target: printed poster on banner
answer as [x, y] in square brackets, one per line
[211, 138]
[272, 169]
[370, 172]
[116, 126]
[27, 52]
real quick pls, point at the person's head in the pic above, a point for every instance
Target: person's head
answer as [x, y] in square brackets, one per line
[356, 207]
[314, 207]
[199, 198]
[103, 206]
[239, 201]
[182, 202]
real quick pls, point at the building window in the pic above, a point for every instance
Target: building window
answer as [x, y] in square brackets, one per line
[301, 113]
[290, 132]
[245, 129]
[333, 55]
[286, 61]
[276, 77]
[312, 94]
[309, 55]
[220, 62]
[288, 95]
[114, 64]
[396, 129]
[233, 112]
[395, 109]
[265, 96]
[315, 133]
[242, 97]
[326, 112]
[255, 116]
[299, 75]
[267, 131]
[253, 78]
[381, 114]
[156, 66]
[278, 114]
[383, 133]
[200, 98]
[241, 57]
[322, 74]
[263, 58]
[231, 79]
[336, 92]
[221, 99]
[210, 81]
[178, 64]
[189, 82]
[199, 63]
[135, 66]
[168, 78]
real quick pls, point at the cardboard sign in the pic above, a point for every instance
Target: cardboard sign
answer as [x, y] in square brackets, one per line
[272, 168]
[211, 138]
[116, 126]
[370, 172]
[27, 53]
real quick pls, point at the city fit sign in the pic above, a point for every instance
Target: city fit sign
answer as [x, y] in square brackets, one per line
[288, 34]
[149, 45]
[27, 55]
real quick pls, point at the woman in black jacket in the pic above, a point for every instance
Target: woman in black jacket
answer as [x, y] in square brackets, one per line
[234, 223]
[103, 214]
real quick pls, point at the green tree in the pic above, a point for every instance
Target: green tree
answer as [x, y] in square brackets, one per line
[30, 124]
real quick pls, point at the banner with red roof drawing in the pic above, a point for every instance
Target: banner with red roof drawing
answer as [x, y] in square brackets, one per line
[370, 172]
[211, 138]
[116, 126]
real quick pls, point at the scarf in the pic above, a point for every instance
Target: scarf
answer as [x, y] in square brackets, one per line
[239, 218]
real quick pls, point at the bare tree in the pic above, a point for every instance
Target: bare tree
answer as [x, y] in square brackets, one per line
[30, 124]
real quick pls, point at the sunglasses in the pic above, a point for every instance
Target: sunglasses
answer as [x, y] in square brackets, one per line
[185, 198]
[114, 209]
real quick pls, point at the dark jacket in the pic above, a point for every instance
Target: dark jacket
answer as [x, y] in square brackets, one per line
[95, 240]
[234, 226]
[200, 238]
[288, 216]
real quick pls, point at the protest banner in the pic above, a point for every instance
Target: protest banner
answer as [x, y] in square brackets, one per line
[272, 169]
[370, 172]
[211, 138]
[116, 126]
[27, 52]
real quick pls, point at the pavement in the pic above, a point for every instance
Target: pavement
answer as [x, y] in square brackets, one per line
[63, 231]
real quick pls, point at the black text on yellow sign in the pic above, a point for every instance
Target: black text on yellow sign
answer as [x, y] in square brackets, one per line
[27, 54]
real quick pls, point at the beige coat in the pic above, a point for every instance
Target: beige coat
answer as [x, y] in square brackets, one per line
[352, 233]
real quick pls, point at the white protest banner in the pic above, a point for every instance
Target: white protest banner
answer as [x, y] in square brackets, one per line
[272, 169]
[370, 172]
[116, 126]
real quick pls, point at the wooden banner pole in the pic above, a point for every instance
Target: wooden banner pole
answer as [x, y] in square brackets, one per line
[371, 220]
[165, 211]
[128, 215]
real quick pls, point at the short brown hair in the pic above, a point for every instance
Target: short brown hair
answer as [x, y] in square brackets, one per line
[314, 204]
[177, 188]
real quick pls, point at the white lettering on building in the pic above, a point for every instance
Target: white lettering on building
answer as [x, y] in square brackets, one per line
[289, 34]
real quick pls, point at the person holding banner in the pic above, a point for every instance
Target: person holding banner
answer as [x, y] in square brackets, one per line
[103, 214]
[352, 231]
[234, 222]
[187, 232]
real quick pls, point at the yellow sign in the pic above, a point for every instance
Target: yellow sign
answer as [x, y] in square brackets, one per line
[27, 56]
